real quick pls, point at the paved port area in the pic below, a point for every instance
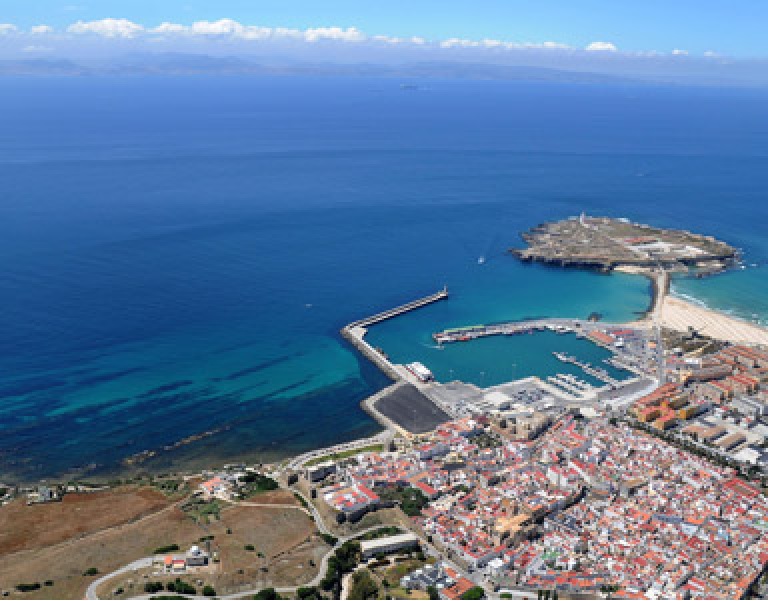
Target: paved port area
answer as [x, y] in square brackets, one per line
[411, 410]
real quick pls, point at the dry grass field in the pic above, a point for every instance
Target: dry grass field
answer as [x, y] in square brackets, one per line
[284, 540]
[38, 526]
[66, 539]
[60, 541]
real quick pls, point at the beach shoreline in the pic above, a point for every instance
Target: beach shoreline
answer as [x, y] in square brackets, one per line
[676, 313]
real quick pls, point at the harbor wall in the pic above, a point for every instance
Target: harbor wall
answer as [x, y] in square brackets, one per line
[355, 336]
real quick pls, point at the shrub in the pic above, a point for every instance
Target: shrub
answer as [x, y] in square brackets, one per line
[209, 591]
[181, 587]
[329, 539]
[91, 572]
[25, 588]
[259, 483]
[48, 583]
[267, 593]
[249, 548]
[166, 549]
[363, 586]
[153, 587]
[476, 592]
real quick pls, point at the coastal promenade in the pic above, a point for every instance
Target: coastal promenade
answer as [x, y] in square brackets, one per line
[380, 438]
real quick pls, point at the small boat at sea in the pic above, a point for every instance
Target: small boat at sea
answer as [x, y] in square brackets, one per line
[480, 260]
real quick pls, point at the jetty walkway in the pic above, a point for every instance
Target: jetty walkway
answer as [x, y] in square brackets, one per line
[355, 333]
[414, 304]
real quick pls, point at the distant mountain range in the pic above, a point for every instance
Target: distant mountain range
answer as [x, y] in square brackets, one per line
[192, 64]
[198, 64]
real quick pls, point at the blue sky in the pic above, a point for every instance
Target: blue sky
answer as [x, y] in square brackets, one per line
[730, 27]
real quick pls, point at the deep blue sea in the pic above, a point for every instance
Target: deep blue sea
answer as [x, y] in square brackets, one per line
[178, 254]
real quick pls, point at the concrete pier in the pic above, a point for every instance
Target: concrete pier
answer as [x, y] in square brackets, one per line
[355, 333]
[559, 325]
[406, 389]
[356, 337]
[415, 304]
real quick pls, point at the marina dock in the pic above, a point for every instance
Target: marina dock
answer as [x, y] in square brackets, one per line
[560, 326]
[572, 385]
[596, 372]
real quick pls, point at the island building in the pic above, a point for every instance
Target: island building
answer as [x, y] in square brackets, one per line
[606, 243]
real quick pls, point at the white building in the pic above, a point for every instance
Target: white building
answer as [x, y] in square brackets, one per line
[387, 544]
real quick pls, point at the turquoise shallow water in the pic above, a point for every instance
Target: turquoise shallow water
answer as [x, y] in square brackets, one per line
[179, 254]
[503, 289]
[495, 359]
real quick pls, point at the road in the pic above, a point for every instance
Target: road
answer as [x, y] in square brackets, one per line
[139, 564]
[146, 562]
[313, 512]
[298, 462]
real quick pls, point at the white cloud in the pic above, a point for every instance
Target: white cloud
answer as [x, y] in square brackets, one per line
[220, 29]
[386, 39]
[492, 43]
[458, 43]
[171, 28]
[285, 32]
[216, 28]
[501, 44]
[40, 29]
[230, 30]
[108, 28]
[601, 47]
[254, 32]
[555, 46]
[350, 34]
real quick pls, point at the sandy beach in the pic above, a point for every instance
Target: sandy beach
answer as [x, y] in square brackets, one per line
[678, 314]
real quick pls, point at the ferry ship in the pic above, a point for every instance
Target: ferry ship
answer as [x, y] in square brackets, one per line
[420, 371]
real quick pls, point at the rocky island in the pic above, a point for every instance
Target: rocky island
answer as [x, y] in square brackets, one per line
[606, 244]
